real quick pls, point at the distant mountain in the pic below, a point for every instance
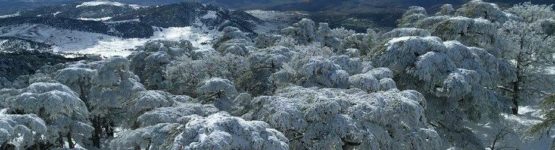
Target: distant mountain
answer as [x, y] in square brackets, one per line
[115, 18]
[13, 6]
[112, 28]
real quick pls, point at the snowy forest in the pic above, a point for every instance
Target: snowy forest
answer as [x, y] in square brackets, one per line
[465, 77]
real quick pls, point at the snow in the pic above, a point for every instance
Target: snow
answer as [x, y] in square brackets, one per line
[78, 42]
[9, 15]
[551, 70]
[99, 3]
[210, 15]
[199, 37]
[96, 19]
[518, 125]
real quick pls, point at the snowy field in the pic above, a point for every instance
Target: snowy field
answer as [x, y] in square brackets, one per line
[9, 15]
[100, 3]
[78, 42]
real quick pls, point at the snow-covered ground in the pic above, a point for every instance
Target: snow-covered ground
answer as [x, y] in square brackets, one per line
[78, 42]
[96, 19]
[210, 15]
[10, 15]
[512, 131]
[99, 3]
[551, 70]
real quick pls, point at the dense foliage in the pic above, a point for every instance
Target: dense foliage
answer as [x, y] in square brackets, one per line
[422, 86]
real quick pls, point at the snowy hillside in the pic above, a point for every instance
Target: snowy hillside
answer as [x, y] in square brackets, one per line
[109, 75]
[100, 3]
[78, 42]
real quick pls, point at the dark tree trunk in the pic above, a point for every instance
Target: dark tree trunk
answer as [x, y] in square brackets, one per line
[516, 96]
[519, 77]
[7, 146]
[109, 128]
[97, 133]
[61, 139]
[70, 140]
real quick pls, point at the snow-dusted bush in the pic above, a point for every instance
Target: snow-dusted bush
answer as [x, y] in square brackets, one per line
[104, 86]
[145, 101]
[324, 35]
[233, 41]
[453, 76]
[411, 16]
[351, 65]
[532, 13]
[175, 114]
[365, 81]
[378, 79]
[21, 131]
[361, 41]
[387, 84]
[113, 84]
[338, 118]
[64, 114]
[474, 24]
[218, 91]
[303, 32]
[431, 61]
[401, 32]
[321, 72]
[267, 40]
[185, 74]
[474, 32]
[263, 64]
[150, 60]
[155, 137]
[78, 79]
[480, 9]
[446, 9]
[217, 131]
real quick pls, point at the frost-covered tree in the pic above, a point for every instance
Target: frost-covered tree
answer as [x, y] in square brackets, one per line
[218, 91]
[532, 13]
[411, 16]
[313, 71]
[64, 114]
[303, 31]
[446, 9]
[480, 9]
[175, 113]
[78, 79]
[531, 43]
[217, 131]
[233, 41]
[522, 34]
[104, 86]
[113, 83]
[145, 101]
[263, 63]
[548, 109]
[21, 131]
[457, 80]
[333, 118]
[184, 75]
[151, 59]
